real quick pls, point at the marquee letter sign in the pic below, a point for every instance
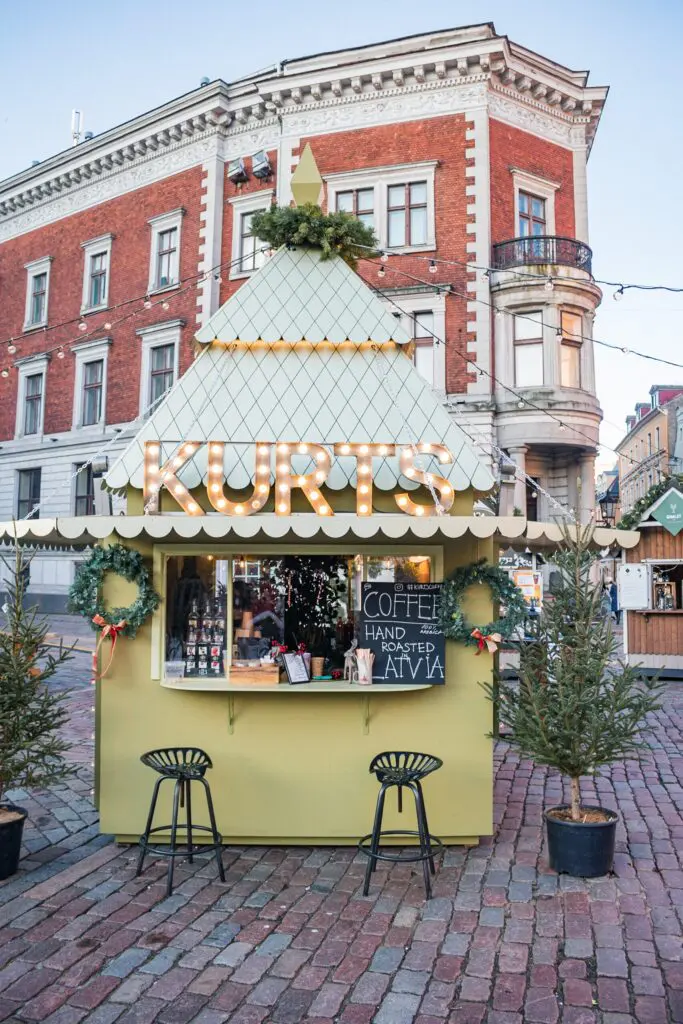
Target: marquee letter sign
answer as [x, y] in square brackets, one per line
[157, 476]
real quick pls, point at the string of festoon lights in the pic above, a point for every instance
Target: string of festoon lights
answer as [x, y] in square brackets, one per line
[522, 400]
[621, 287]
[501, 311]
[146, 303]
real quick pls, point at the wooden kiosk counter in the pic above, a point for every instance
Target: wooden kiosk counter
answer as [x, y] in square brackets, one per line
[300, 464]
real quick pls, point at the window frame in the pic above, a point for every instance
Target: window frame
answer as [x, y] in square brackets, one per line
[423, 301]
[381, 179]
[538, 341]
[159, 225]
[89, 496]
[156, 336]
[100, 246]
[529, 216]
[27, 367]
[354, 211]
[31, 502]
[540, 188]
[34, 270]
[89, 352]
[246, 206]
[424, 341]
[570, 342]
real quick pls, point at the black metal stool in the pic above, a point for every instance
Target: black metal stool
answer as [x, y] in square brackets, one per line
[185, 765]
[401, 768]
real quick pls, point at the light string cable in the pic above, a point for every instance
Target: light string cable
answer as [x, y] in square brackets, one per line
[164, 300]
[521, 399]
[502, 310]
[550, 279]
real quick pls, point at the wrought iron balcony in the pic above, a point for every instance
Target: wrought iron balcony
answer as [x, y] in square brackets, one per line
[542, 249]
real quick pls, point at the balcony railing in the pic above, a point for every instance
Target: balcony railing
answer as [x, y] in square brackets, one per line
[542, 249]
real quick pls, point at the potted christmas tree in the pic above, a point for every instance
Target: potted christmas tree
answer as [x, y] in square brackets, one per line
[577, 706]
[31, 749]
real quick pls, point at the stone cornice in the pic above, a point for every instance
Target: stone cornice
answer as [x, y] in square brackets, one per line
[399, 80]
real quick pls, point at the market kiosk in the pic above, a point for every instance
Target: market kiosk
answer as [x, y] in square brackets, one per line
[300, 484]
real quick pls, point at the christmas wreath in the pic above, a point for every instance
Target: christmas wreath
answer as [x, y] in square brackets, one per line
[504, 591]
[85, 595]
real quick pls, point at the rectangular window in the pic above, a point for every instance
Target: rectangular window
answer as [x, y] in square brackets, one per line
[167, 257]
[38, 301]
[162, 367]
[295, 599]
[532, 219]
[92, 392]
[28, 493]
[97, 286]
[84, 504]
[657, 448]
[250, 254]
[423, 356]
[407, 214]
[570, 355]
[33, 398]
[528, 345]
[360, 202]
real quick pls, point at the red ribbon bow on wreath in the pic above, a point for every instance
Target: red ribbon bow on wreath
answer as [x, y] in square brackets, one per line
[488, 640]
[108, 630]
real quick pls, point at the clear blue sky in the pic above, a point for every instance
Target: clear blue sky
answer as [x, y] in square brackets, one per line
[114, 61]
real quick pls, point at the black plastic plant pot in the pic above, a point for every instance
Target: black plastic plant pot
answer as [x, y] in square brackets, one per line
[10, 840]
[578, 848]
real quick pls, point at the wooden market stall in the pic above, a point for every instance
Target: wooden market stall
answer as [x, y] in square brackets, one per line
[651, 589]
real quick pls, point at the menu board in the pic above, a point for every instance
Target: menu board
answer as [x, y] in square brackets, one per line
[400, 622]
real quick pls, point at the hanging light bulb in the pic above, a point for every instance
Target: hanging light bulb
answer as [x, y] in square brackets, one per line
[381, 272]
[432, 266]
[520, 404]
[164, 305]
[499, 313]
[549, 284]
[384, 257]
[563, 426]
[4, 373]
[218, 278]
[625, 350]
[11, 348]
[486, 275]
[619, 293]
[60, 352]
[558, 332]
[107, 326]
[83, 326]
[147, 303]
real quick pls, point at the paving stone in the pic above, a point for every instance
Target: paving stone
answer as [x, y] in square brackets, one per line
[124, 964]
[397, 1008]
[411, 982]
[387, 959]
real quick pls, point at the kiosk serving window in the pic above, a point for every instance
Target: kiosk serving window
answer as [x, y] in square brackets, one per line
[232, 610]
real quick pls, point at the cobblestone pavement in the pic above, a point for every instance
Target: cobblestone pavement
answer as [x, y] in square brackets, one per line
[289, 937]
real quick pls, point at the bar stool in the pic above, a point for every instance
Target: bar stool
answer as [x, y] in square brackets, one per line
[185, 765]
[402, 768]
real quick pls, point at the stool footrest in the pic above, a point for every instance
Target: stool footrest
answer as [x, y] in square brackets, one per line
[404, 857]
[180, 850]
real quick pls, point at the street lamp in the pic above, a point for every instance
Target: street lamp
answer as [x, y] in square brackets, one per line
[608, 509]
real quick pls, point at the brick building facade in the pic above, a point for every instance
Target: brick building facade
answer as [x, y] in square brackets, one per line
[457, 146]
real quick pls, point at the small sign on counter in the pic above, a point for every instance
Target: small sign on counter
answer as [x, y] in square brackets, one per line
[400, 623]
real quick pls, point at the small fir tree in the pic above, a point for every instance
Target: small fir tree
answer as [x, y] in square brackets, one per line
[31, 748]
[577, 707]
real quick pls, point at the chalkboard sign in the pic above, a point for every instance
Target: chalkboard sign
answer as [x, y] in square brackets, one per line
[400, 623]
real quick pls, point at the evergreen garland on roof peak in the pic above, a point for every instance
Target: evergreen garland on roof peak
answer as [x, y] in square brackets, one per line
[335, 234]
[631, 519]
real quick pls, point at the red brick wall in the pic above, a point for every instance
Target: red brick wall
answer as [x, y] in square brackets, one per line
[126, 218]
[441, 139]
[511, 147]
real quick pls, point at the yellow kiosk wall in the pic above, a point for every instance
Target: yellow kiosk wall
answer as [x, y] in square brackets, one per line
[295, 767]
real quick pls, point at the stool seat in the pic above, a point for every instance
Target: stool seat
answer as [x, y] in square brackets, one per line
[178, 762]
[182, 765]
[402, 769]
[399, 767]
